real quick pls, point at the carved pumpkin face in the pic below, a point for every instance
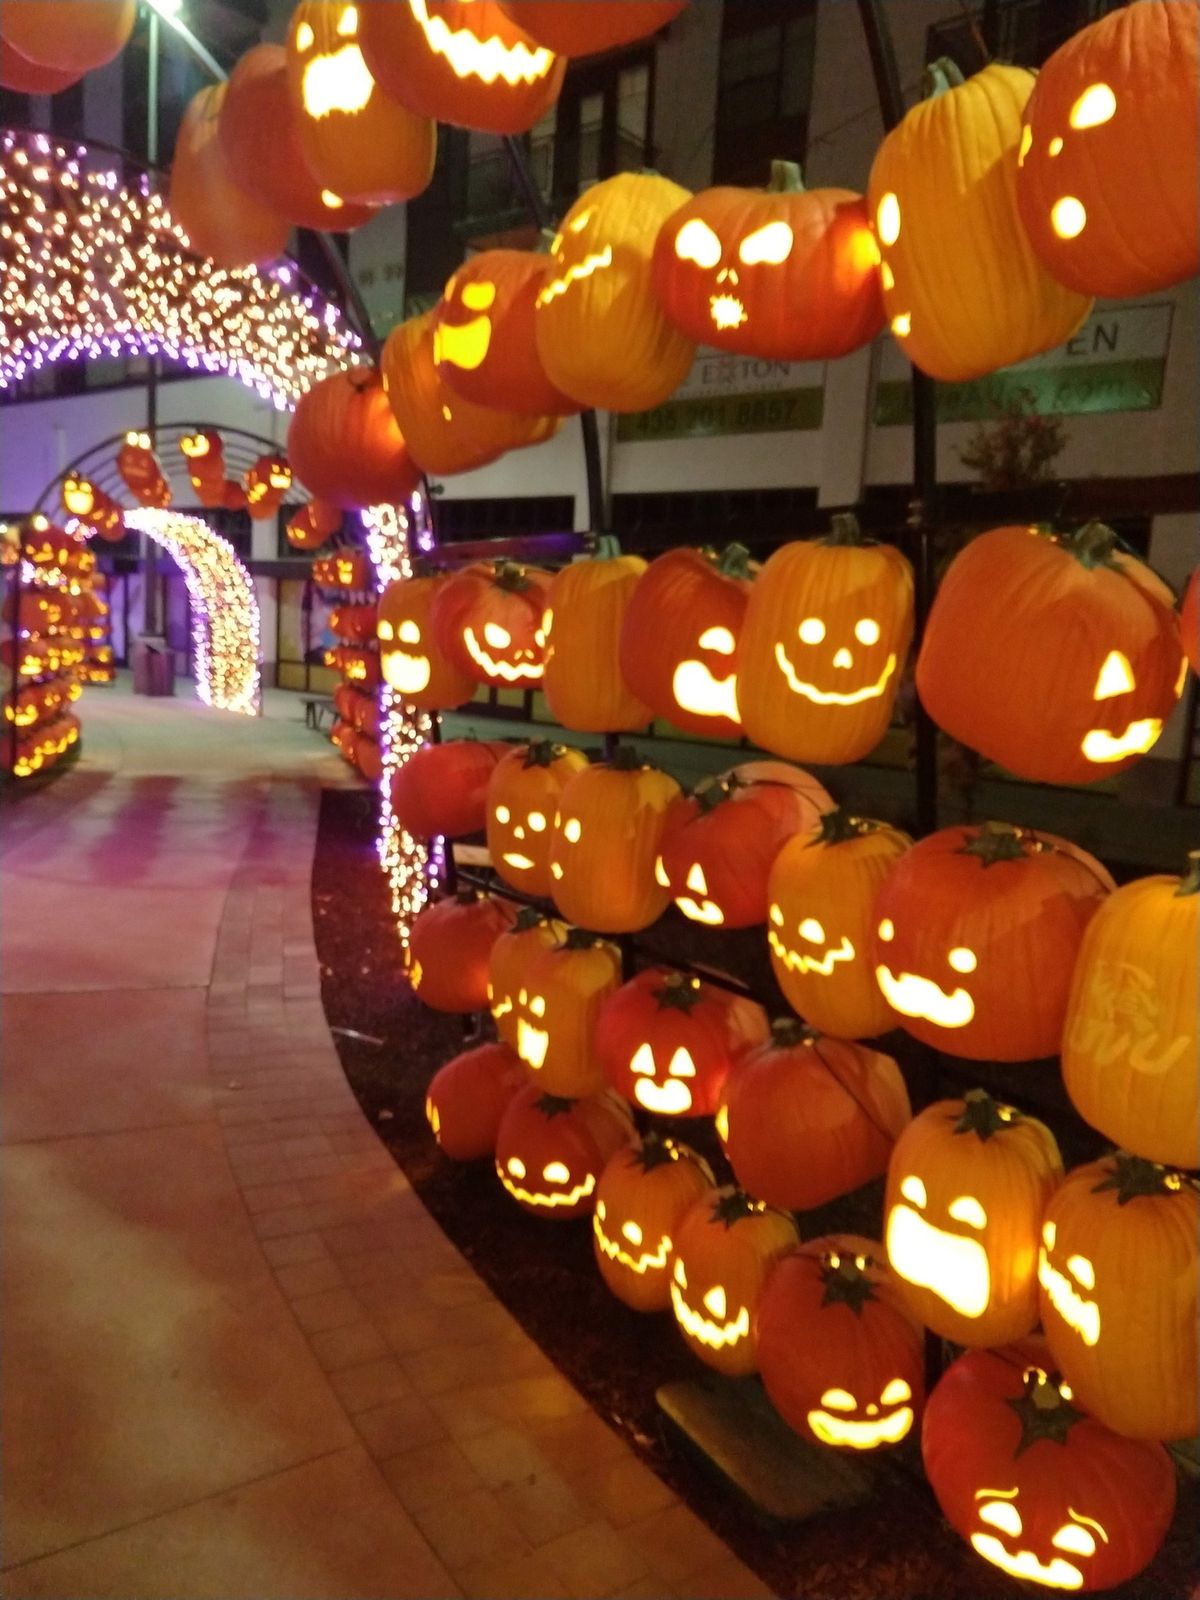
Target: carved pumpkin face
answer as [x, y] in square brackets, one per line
[142, 471]
[556, 1008]
[550, 1152]
[468, 1097]
[508, 965]
[266, 483]
[523, 798]
[642, 1195]
[450, 945]
[413, 663]
[346, 570]
[488, 620]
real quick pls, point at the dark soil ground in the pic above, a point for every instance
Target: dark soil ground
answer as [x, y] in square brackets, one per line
[893, 1547]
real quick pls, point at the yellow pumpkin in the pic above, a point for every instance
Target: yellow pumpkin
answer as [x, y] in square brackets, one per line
[585, 608]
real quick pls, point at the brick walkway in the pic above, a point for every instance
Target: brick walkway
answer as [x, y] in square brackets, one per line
[240, 1359]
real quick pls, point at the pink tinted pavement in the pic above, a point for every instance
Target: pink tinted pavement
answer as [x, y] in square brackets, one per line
[239, 1359]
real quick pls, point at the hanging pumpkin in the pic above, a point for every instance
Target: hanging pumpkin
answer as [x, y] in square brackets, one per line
[841, 1359]
[522, 799]
[1117, 1272]
[805, 1119]
[1107, 176]
[570, 29]
[354, 623]
[726, 1244]
[487, 620]
[203, 453]
[783, 273]
[642, 1195]
[467, 1098]
[1036, 1486]
[23, 76]
[550, 1152]
[345, 569]
[74, 36]
[824, 642]
[314, 524]
[508, 966]
[141, 471]
[962, 922]
[483, 339]
[461, 61]
[449, 946]
[1056, 655]
[600, 333]
[1189, 621]
[821, 901]
[963, 305]
[582, 682]
[563, 987]
[359, 667]
[260, 140]
[266, 482]
[446, 433]
[414, 664]
[220, 219]
[607, 836]
[358, 142]
[442, 788]
[93, 507]
[967, 1184]
[344, 444]
[667, 1042]
[721, 842]
[233, 496]
[1130, 1041]
[680, 639]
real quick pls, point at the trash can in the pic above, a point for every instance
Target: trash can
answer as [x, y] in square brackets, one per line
[153, 666]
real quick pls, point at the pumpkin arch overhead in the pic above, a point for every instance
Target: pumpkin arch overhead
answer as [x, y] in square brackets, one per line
[571, 29]
[344, 445]
[220, 219]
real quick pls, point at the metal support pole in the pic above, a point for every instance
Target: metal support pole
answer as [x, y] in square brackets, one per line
[150, 608]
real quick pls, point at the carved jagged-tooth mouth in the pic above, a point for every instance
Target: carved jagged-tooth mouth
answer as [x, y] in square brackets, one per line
[715, 1336]
[830, 697]
[511, 672]
[648, 1261]
[797, 961]
[570, 1197]
[486, 59]
[705, 911]
[578, 269]
[406, 674]
[532, 1044]
[1059, 1574]
[727, 311]
[1080, 1315]
[1101, 746]
[697, 691]
[338, 82]
[914, 996]
[845, 1431]
[955, 1268]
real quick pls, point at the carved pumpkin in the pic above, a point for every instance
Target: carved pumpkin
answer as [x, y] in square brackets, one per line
[586, 605]
[446, 433]
[93, 507]
[314, 524]
[449, 947]
[1117, 1272]
[74, 36]
[570, 29]
[360, 710]
[1189, 621]
[468, 1097]
[821, 922]
[141, 471]
[358, 143]
[461, 61]
[368, 757]
[840, 1356]
[721, 842]
[1084, 639]
[220, 219]
[667, 1042]
[600, 333]
[360, 667]
[522, 799]
[805, 1118]
[1130, 1041]
[642, 1195]
[967, 1184]
[266, 482]
[550, 1152]
[204, 456]
[508, 966]
[260, 140]
[962, 921]
[483, 340]
[1107, 177]
[607, 836]
[344, 445]
[354, 623]
[23, 76]
[726, 1244]
[955, 155]
[563, 987]
[345, 569]
[680, 638]
[784, 273]
[442, 788]
[487, 620]
[824, 642]
[413, 662]
[1036, 1487]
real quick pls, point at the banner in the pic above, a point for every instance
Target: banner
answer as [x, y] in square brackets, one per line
[726, 394]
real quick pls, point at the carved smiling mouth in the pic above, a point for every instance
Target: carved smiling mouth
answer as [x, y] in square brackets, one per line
[531, 1043]
[706, 911]
[512, 672]
[579, 269]
[464, 345]
[697, 691]
[1099, 745]
[797, 961]
[844, 1431]
[914, 996]
[1059, 1574]
[727, 311]
[647, 1261]
[955, 1268]
[570, 1197]
[338, 82]
[714, 1335]
[408, 675]
[1080, 1315]
[830, 697]
[670, 1099]
[486, 59]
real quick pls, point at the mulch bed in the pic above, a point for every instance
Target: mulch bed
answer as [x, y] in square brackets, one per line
[896, 1546]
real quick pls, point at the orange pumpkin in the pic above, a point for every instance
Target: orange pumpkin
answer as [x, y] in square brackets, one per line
[563, 986]
[571, 29]
[508, 967]
[1189, 620]
[344, 445]
[488, 621]
[220, 219]
[69, 35]
[522, 799]
[642, 1195]
[266, 482]
[449, 947]
[586, 604]
[345, 569]
[93, 507]
[467, 1099]
[313, 524]
[550, 1152]
[23, 76]
[141, 471]
[413, 662]
[204, 456]
[442, 788]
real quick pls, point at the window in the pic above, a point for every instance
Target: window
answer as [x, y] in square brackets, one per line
[1021, 31]
[764, 88]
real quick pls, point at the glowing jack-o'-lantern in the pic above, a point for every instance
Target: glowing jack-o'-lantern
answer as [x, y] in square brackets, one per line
[141, 471]
[266, 483]
[358, 142]
[313, 525]
[721, 842]
[550, 1152]
[955, 154]
[93, 507]
[508, 964]
[570, 29]
[680, 638]
[556, 1007]
[967, 1184]
[467, 1099]
[1084, 628]
[821, 902]
[488, 622]
[1038, 1488]
[522, 799]
[449, 947]
[442, 788]
[203, 454]
[1118, 1278]
[586, 605]
[462, 61]
[667, 1042]
[220, 219]
[725, 1246]
[345, 569]
[827, 630]
[841, 1358]
[642, 1194]
[1111, 122]
[413, 662]
[345, 446]
[963, 918]
[600, 333]
[783, 273]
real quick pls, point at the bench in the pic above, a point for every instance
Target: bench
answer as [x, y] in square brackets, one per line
[316, 708]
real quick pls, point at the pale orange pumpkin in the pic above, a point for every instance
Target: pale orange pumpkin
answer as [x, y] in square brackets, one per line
[220, 219]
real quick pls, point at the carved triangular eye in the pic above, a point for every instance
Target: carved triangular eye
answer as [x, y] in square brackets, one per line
[682, 1065]
[643, 1061]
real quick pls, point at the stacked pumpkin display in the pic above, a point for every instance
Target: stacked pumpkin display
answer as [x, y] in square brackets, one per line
[47, 617]
[355, 732]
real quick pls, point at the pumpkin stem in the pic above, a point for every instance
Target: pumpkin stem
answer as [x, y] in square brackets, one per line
[997, 841]
[838, 826]
[508, 575]
[1044, 1411]
[845, 1279]
[1092, 544]
[580, 939]
[679, 992]
[1133, 1177]
[844, 530]
[786, 178]
[654, 1151]
[715, 791]
[528, 917]
[939, 77]
[465, 896]
[554, 1105]
[983, 1116]
[1190, 882]
[543, 753]
[734, 561]
[731, 1205]
[788, 1032]
[626, 759]
[546, 237]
